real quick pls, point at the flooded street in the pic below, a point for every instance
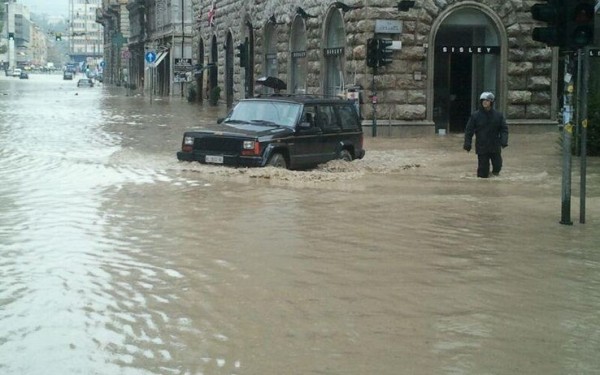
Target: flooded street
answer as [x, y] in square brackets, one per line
[115, 258]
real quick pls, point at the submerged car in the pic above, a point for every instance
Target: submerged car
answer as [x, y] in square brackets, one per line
[294, 132]
[24, 75]
[85, 82]
[67, 74]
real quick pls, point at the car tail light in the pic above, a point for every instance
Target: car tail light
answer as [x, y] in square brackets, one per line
[251, 148]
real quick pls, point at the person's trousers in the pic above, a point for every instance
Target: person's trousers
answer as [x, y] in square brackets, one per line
[483, 164]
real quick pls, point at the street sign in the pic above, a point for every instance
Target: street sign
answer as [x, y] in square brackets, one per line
[183, 65]
[150, 57]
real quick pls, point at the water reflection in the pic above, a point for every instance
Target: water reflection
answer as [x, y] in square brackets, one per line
[117, 258]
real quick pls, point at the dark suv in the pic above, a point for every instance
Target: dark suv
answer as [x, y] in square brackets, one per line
[293, 132]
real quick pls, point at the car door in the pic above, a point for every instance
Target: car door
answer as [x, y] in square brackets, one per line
[306, 149]
[331, 132]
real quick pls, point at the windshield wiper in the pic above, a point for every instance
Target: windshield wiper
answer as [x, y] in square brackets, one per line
[236, 121]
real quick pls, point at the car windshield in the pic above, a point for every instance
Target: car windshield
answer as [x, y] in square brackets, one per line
[266, 112]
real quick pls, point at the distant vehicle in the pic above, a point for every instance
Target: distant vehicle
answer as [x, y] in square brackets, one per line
[85, 82]
[67, 75]
[24, 75]
[16, 72]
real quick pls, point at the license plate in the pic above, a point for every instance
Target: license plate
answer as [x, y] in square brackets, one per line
[214, 159]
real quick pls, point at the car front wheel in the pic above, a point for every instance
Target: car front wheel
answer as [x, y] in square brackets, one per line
[277, 160]
[345, 155]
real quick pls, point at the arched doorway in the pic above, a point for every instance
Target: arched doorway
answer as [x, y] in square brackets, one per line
[298, 63]
[199, 77]
[229, 70]
[270, 64]
[213, 75]
[335, 43]
[469, 50]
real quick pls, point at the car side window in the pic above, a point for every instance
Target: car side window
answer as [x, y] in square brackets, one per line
[309, 115]
[348, 117]
[328, 118]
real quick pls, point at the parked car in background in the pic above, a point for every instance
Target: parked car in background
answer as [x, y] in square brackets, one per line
[16, 72]
[24, 75]
[294, 132]
[67, 74]
[85, 82]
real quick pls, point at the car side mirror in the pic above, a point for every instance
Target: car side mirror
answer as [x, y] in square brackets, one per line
[220, 120]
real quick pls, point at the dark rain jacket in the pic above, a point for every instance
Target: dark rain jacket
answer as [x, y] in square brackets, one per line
[490, 130]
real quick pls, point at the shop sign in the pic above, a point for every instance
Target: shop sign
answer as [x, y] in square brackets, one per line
[388, 26]
[336, 51]
[472, 50]
[298, 54]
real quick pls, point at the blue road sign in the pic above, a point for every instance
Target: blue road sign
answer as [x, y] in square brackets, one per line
[150, 57]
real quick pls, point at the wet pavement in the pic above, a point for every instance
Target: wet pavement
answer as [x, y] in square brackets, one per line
[115, 258]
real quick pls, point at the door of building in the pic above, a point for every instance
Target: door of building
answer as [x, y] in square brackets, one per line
[466, 63]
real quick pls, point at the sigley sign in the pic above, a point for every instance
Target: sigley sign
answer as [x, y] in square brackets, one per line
[475, 50]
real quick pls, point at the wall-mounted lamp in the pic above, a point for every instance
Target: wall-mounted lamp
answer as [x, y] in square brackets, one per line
[302, 13]
[273, 21]
[345, 8]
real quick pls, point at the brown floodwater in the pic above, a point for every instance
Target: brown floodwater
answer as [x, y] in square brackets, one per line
[115, 258]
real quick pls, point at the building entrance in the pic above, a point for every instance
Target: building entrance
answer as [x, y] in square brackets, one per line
[467, 55]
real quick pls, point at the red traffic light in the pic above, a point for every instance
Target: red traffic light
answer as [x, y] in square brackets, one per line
[580, 23]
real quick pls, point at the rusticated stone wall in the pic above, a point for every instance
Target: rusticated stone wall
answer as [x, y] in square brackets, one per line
[528, 72]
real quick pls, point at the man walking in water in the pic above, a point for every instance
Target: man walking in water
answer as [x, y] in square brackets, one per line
[491, 135]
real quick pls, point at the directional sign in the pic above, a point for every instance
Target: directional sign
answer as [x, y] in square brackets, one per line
[150, 57]
[183, 65]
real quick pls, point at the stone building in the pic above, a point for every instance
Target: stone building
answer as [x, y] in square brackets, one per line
[445, 53]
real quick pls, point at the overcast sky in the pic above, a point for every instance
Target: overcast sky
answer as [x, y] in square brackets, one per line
[49, 7]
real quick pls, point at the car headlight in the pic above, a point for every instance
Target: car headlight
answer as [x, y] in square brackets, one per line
[251, 148]
[189, 141]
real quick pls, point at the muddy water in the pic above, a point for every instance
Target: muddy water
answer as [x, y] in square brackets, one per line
[115, 258]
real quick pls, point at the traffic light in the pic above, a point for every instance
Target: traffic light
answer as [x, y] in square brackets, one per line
[552, 13]
[579, 23]
[372, 46]
[11, 36]
[384, 54]
[58, 36]
[243, 54]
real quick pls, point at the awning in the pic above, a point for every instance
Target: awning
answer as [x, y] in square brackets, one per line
[160, 57]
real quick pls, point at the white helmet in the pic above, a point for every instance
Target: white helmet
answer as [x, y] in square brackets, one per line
[487, 96]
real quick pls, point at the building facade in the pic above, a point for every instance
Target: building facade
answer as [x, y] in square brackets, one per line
[85, 37]
[445, 53]
[16, 36]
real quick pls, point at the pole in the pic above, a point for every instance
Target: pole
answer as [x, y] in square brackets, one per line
[565, 217]
[182, 40]
[374, 102]
[578, 86]
[584, 125]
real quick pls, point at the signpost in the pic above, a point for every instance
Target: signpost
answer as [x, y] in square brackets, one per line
[150, 58]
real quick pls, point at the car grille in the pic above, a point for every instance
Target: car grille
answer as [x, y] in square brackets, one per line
[218, 145]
